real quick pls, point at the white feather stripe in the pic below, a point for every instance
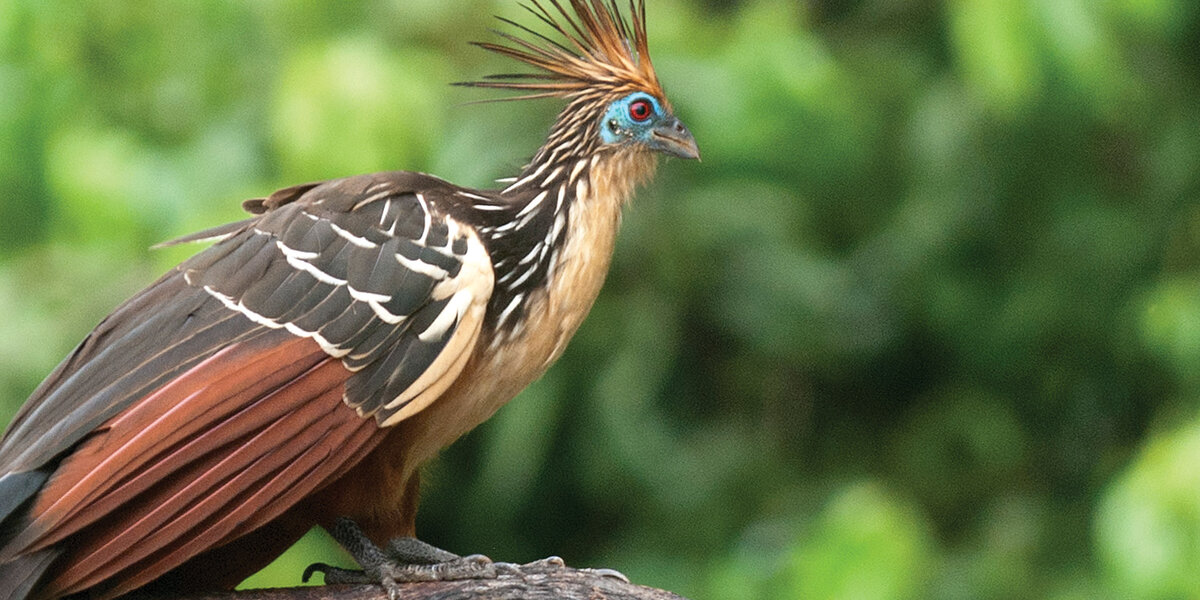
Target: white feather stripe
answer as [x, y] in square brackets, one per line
[512, 305]
[560, 221]
[328, 348]
[577, 169]
[367, 296]
[466, 194]
[473, 288]
[373, 197]
[359, 241]
[523, 278]
[424, 268]
[387, 207]
[562, 195]
[529, 256]
[293, 253]
[321, 276]
[444, 370]
[229, 303]
[534, 175]
[533, 204]
[447, 319]
[385, 315]
[428, 217]
[553, 174]
[509, 226]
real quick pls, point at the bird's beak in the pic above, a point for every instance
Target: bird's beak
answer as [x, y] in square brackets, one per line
[672, 137]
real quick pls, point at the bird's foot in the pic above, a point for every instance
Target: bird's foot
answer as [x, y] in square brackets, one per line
[408, 560]
[404, 560]
[553, 564]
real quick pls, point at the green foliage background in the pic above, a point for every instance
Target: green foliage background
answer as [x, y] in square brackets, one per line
[924, 323]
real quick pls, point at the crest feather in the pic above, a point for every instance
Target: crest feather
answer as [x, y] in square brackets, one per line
[602, 52]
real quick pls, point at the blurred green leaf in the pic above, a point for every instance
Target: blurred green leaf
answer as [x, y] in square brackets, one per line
[997, 44]
[866, 543]
[1171, 325]
[1148, 524]
[355, 106]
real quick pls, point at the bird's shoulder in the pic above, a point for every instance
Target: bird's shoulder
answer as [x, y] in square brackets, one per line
[356, 195]
[354, 203]
[380, 270]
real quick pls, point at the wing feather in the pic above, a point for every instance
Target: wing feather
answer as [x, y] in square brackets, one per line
[183, 409]
[392, 259]
[114, 365]
[268, 284]
[214, 400]
[280, 303]
[241, 458]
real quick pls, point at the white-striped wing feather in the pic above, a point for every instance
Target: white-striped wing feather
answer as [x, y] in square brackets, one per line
[373, 272]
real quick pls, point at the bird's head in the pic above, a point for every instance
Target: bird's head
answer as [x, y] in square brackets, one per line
[641, 119]
[615, 101]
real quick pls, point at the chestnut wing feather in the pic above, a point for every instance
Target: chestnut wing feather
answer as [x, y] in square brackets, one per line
[209, 457]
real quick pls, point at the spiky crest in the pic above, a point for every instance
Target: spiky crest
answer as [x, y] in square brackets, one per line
[603, 52]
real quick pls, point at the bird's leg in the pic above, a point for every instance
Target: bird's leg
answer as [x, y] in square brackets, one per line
[412, 551]
[405, 560]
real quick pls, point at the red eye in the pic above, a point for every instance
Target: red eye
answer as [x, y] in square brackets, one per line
[640, 110]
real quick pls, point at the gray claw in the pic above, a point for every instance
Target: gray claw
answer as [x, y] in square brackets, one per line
[615, 574]
[507, 569]
[335, 575]
[550, 562]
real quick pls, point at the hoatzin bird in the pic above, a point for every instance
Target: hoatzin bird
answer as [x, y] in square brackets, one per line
[303, 367]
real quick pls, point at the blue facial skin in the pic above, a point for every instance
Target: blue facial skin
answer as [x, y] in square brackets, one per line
[659, 130]
[619, 126]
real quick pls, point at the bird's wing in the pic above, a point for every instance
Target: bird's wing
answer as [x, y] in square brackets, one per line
[213, 400]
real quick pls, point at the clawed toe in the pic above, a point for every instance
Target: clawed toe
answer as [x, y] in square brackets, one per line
[407, 560]
[550, 564]
[404, 560]
[615, 574]
[475, 566]
[412, 551]
[544, 565]
[336, 575]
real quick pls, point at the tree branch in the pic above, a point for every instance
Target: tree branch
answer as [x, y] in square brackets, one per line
[560, 584]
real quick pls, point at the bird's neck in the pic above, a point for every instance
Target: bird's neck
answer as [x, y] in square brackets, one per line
[562, 214]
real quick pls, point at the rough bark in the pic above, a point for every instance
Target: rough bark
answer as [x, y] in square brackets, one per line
[560, 584]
